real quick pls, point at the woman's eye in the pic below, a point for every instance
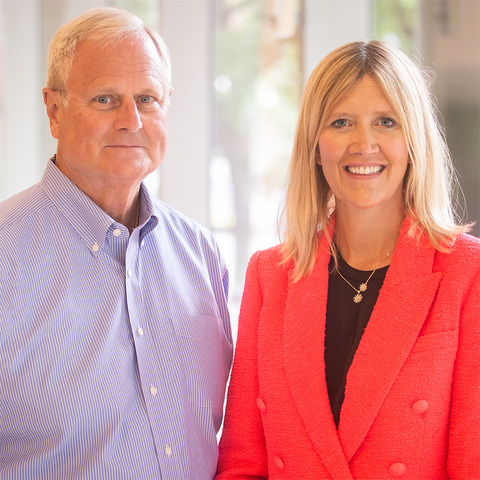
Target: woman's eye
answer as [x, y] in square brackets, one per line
[340, 123]
[387, 122]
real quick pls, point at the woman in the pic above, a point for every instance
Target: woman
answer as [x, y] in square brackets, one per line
[358, 343]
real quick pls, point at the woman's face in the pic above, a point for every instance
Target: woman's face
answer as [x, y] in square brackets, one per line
[363, 152]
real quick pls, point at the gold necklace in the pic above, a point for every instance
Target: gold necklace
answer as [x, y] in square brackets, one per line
[363, 287]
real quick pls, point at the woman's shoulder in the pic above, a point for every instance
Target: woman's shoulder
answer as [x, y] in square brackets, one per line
[466, 245]
[272, 256]
[270, 262]
[462, 256]
[467, 241]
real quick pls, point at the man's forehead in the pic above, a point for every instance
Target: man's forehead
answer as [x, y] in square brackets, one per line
[97, 60]
[125, 44]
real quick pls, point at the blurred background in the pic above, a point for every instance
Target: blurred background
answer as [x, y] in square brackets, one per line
[239, 67]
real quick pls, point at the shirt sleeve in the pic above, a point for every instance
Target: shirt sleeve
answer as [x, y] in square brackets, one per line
[464, 435]
[242, 447]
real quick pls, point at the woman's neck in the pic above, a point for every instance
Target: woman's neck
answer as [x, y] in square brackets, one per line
[364, 238]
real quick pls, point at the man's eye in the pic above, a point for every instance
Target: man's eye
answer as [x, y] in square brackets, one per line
[146, 99]
[103, 100]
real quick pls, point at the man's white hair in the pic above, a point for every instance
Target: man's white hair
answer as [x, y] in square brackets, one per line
[105, 26]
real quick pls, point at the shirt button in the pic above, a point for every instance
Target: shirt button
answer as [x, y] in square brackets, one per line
[261, 406]
[140, 331]
[142, 243]
[278, 463]
[153, 390]
[419, 407]
[117, 232]
[95, 247]
[168, 451]
[397, 469]
[129, 273]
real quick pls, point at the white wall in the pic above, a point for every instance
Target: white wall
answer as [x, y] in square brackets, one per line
[186, 28]
[21, 100]
[25, 140]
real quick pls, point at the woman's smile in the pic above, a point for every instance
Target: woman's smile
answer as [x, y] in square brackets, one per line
[363, 152]
[365, 170]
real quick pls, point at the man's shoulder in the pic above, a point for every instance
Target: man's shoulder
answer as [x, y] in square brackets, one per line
[179, 222]
[22, 206]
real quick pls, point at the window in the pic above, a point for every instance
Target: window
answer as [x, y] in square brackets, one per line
[258, 84]
[263, 53]
[238, 69]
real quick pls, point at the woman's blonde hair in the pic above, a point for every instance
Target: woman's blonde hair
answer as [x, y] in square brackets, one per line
[105, 26]
[428, 183]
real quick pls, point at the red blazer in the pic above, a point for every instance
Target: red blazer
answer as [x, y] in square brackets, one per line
[412, 403]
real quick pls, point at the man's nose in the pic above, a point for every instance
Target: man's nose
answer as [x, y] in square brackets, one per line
[364, 141]
[128, 117]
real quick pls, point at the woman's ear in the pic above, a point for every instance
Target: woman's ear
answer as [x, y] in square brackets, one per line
[318, 160]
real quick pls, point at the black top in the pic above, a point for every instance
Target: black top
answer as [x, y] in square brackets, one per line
[345, 324]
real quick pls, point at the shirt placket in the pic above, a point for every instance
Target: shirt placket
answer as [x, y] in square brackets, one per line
[152, 385]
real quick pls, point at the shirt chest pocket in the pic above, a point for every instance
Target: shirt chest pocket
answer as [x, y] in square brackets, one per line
[201, 343]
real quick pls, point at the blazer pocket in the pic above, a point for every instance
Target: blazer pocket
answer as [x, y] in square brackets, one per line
[427, 372]
[201, 344]
[438, 340]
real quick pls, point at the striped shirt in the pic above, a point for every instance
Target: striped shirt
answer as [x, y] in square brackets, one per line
[115, 349]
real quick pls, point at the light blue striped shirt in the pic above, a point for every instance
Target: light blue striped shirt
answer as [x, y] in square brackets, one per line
[115, 349]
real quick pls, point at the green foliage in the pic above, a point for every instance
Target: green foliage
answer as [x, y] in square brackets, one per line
[250, 53]
[396, 21]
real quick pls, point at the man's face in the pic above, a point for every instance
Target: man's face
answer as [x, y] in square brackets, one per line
[112, 130]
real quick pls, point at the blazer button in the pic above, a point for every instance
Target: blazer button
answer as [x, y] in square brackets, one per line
[261, 406]
[397, 469]
[278, 463]
[420, 406]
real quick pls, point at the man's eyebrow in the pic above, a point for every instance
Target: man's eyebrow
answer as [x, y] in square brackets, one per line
[158, 91]
[95, 91]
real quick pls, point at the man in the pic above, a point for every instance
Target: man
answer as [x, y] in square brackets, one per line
[114, 331]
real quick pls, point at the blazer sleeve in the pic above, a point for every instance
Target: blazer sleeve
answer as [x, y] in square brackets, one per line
[464, 436]
[242, 451]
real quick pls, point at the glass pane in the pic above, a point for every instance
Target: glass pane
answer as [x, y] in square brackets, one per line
[450, 43]
[257, 83]
[445, 35]
[397, 22]
[257, 78]
[147, 10]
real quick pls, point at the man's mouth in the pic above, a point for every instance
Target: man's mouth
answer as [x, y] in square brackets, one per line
[365, 170]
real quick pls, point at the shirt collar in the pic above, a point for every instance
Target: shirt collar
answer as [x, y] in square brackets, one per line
[86, 217]
[147, 219]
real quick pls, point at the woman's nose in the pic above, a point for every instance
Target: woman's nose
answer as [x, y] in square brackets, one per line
[363, 142]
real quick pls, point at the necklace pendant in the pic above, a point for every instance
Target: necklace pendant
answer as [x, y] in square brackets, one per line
[362, 287]
[358, 298]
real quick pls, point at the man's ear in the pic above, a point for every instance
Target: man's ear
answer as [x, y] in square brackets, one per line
[52, 101]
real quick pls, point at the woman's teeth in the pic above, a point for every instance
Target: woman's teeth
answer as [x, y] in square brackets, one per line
[364, 170]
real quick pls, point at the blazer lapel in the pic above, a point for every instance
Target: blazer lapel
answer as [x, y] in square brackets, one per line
[399, 314]
[303, 344]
